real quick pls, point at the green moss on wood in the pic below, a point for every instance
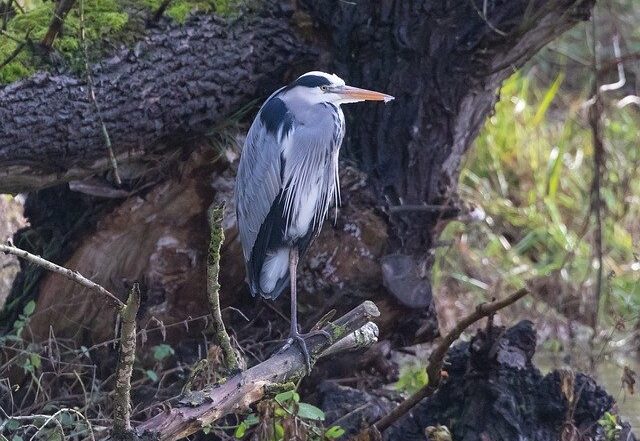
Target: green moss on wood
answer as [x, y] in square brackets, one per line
[104, 19]
[108, 24]
[179, 10]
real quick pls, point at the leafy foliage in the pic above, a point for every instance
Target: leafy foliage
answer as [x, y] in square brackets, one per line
[286, 417]
[179, 10]
[413, 377]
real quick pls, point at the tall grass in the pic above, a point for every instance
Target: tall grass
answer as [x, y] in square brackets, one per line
[530, 173]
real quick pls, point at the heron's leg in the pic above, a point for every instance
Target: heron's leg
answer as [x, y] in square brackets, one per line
[293, 268]
[295, 335]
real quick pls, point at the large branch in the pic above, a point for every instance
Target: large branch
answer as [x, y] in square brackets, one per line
[203, 407]
[179, 81]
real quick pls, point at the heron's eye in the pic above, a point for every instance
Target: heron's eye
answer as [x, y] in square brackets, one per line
[324, 88]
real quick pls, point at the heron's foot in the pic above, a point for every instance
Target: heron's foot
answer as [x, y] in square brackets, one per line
[299, 339]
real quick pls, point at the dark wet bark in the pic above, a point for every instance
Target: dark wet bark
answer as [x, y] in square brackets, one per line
[175, 84]
[493, 392]
[444, 62]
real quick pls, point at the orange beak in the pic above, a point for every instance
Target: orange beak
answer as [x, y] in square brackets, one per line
[363, 94]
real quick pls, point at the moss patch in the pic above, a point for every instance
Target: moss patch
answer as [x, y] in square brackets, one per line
[102, 20]
[108, 24]
[179, 10]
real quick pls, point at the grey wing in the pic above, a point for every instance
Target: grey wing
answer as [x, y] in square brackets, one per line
[258, 182]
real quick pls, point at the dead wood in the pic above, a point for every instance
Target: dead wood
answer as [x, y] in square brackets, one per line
[126, 358]
[436, 359]
[203, 407]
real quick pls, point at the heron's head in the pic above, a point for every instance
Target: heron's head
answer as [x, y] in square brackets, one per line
[320, 87]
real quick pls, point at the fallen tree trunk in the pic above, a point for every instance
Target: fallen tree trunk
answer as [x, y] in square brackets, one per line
[200, 408]
[178, 82]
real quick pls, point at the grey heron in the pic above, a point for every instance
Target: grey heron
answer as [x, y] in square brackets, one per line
[287, 179]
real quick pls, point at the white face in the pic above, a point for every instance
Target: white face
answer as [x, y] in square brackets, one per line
[336, 92]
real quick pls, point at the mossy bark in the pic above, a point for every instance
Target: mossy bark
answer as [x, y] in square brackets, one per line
[213, 286]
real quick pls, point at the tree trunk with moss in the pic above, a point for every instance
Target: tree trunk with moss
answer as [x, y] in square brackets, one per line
[165, 99]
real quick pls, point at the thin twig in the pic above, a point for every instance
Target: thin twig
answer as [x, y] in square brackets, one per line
[160, 11]
[13, 54]
[213, 285]
[436, 358]
[595, 122]
[126, 358]
[69, 274]
[96, 106]
[5, 16]
[61, 11]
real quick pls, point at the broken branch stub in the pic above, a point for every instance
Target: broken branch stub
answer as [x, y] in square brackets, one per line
[205, 406]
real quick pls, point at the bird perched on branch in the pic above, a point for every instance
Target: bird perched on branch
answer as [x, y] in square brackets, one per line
[287, 179]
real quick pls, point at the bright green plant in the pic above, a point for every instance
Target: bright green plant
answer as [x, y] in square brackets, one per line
[610, 425]
[287, 409]
[413, 377]
[103, 19]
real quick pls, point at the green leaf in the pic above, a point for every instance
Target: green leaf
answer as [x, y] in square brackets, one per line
[240, 430]
[412, 378]
[29, 308]
[152, 375]
[283, 397]
[162, 351]
[548, 98]
[279, 431]
[12, 425]
[251, 420]
[310, 412]
[334, 432]
[35, 360]
[17, 438]
[66, 419]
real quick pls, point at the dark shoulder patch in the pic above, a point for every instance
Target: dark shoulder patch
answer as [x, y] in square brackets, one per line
[274, 114]
[312, 81]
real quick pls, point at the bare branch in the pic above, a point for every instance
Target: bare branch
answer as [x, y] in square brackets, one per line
[205, 406]
[160, 11]
[436, 358]
[61, 11]
[126, 357]
[16, 51]
[622, 80]
[69, 274]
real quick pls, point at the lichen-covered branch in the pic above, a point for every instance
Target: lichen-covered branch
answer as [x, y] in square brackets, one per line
[205, 406]
[214, 215]
[126, 358]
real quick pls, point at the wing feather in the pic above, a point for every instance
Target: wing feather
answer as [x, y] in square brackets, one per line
[286, 180]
